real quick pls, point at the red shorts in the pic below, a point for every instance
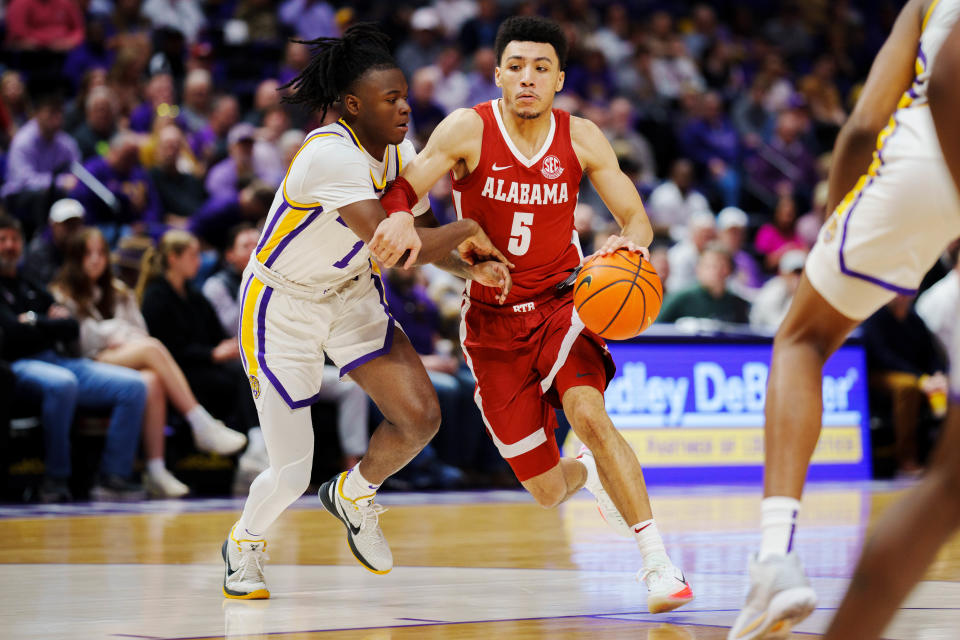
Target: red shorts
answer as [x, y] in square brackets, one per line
[524, 360]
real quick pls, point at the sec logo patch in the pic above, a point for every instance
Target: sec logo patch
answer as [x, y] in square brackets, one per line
[255, 386]
[551, 168]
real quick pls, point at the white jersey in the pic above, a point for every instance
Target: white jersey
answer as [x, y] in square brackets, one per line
[304, 240]
[911, 133]
[937, 23]
[896, 222]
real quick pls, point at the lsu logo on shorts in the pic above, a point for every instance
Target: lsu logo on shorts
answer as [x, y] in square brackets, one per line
[255, 386]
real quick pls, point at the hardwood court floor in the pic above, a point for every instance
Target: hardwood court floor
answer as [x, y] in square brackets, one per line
[469, 566]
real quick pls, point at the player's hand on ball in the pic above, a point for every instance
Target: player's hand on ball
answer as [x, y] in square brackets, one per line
[493, 274]
[479, 248]
[393, 237]
[619, 242]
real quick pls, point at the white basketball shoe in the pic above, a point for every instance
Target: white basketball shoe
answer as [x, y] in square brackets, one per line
[243, 568]
[605, 505]
[667, 588]
[361, 517]
[780, 597]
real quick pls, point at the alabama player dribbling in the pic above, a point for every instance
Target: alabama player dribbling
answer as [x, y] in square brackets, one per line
[516, 165]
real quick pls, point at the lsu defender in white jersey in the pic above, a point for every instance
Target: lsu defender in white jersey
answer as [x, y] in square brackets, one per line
[333, 300]
[894, 224]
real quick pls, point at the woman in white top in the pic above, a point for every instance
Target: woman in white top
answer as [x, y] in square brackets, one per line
[112, 330]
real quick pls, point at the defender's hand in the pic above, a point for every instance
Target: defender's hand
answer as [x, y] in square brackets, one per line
[393, 237]
[479, 248]
[493, 274]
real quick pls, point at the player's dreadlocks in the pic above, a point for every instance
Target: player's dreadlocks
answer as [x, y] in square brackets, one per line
[336, 63]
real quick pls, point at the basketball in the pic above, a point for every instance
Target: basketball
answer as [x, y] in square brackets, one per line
[618, 295]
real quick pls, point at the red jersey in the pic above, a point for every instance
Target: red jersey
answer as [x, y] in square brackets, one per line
[525, 205]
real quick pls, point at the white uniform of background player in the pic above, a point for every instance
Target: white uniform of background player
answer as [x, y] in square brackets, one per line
[896, 222]
[311, 289]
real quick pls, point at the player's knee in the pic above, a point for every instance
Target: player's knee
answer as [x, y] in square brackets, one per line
[591, 427]
[418, 418]
[295, 479]
[548, 496]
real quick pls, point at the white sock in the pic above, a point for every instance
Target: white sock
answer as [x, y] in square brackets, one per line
[778, 522]
[650, 543]
[355, 486]
[155, 467]
[200, 420]
[593, 483]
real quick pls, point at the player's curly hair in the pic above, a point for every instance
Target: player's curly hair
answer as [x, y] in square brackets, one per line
[336, 63]
[531, 29]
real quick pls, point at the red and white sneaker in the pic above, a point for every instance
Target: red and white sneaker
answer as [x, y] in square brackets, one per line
[667, 589]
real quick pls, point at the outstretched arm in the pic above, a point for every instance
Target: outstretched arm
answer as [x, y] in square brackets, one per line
[489, 273]
[890, 76]
[363, 217]
[944, 96]
[454, 141]
[619, 194]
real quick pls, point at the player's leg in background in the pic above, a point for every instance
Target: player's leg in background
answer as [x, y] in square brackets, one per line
[780, 595]
[810, 333]
[401, 389]
[903, 543]
[907, 537]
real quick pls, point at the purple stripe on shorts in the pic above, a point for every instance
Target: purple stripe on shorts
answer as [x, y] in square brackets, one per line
[262, 356]
[273, 222]
[843, 239]
[922, 55]
[290, 236]
[387, 341]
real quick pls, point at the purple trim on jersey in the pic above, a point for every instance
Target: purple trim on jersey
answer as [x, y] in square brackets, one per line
[273, 222]
[262, 357]
[243, 299]
[340, 220]
[349, 133]
[387, 341]
[922, 55]
[290, 236]
[345, 260]
[889, 286]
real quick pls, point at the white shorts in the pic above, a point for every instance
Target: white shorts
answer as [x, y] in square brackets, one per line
[285, 330]
[887, 232]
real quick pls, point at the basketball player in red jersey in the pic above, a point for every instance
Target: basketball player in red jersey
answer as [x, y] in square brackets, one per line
[516, 165]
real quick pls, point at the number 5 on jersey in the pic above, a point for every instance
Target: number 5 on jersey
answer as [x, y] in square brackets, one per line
[520, 233]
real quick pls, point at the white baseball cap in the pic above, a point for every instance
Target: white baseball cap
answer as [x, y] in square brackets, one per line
[730, 217]
[65, 209]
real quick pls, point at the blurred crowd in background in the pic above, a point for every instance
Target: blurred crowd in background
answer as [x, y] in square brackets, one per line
[160, 124]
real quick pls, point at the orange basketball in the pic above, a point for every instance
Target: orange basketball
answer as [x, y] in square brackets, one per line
[618, 295]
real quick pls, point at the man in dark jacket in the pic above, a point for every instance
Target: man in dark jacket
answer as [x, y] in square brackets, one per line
[36, 334]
